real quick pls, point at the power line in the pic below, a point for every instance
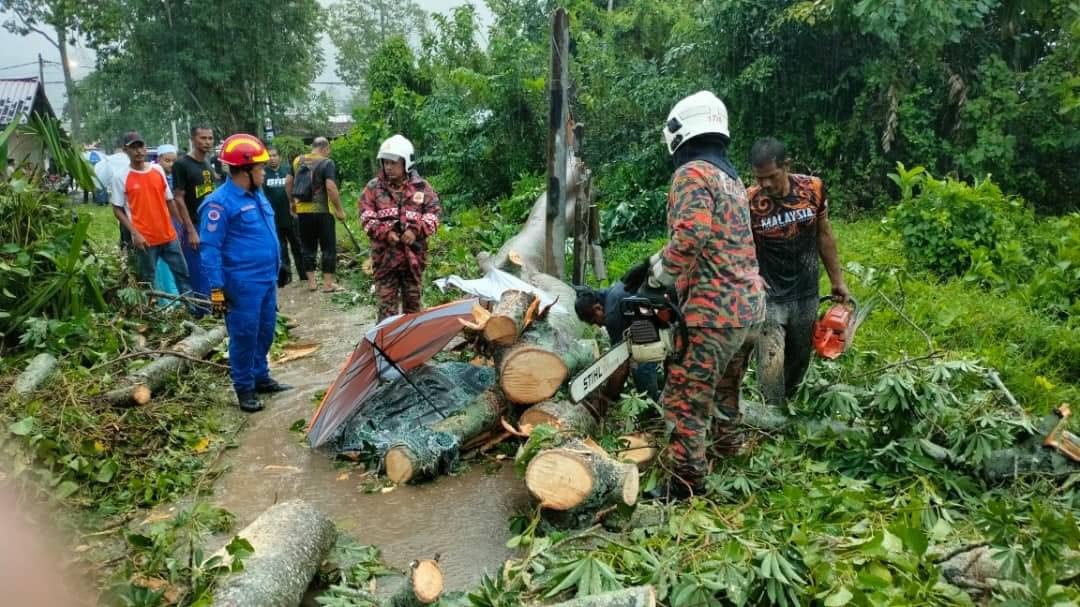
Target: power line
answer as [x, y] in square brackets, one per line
[11, 67]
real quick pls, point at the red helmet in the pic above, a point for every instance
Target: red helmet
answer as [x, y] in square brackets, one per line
[243, 150]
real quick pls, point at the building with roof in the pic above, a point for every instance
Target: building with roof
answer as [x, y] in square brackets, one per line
[19, 98]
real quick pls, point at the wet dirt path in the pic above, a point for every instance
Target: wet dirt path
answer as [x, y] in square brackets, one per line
[464, 518]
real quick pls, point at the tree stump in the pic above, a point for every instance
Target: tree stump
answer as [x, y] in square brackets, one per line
[424, 585]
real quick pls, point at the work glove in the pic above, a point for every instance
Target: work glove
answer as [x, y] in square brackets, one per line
[217, 302]
[659, 278]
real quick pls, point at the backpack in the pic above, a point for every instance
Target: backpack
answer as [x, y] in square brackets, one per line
[303, 187]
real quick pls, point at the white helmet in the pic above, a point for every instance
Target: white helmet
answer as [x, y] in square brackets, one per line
[695, 115]
[397, 148]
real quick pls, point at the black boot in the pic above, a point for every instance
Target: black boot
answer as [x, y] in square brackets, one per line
[270, 386]
[249, 403]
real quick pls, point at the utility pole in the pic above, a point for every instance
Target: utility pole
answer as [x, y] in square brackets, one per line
[41, 69]
[558, 146]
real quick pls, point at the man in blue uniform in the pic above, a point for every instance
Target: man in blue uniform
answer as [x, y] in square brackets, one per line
[240, 257]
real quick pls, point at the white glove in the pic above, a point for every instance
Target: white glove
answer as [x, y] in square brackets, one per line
[659, 278]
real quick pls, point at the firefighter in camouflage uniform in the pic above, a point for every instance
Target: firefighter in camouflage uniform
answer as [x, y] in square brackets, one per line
[711, 262]
[399, 212]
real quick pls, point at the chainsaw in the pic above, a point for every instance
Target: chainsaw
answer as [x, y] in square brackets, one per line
[649, 338]
[834, 330]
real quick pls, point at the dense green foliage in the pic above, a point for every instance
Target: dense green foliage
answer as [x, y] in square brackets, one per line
[225, 64]
[964, 88]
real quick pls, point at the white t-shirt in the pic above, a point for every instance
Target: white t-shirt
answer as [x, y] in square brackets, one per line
[104, 169]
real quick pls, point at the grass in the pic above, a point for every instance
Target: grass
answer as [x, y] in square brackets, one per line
[1038, 356]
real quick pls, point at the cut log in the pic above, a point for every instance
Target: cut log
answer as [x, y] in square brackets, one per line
[424, 585]
[508, 318]
[575, 477]
[636, 449]
[290, 542]
[38, 370]
[638, 596]
[410, 459]
[563, 415]
[534, 369]
[139, 386]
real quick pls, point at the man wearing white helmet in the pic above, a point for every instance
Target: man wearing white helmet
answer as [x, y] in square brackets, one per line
[711, 263]
[399, 211]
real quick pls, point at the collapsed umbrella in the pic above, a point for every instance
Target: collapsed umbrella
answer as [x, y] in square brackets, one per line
[392, 348]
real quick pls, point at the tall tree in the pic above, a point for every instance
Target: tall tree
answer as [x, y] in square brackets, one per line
[359, 27]
[219, 61]
[63, 22]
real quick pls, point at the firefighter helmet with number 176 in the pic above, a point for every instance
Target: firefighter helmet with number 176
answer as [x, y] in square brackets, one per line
[699, 114]
[243, 150]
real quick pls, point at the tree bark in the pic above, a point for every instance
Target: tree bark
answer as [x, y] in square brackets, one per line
[563, 415]
[290, 539]
[508, 318]
[638, 596]
[579, 479]
[38, 370]
[404, 462]
[69, 86]
[138, 387]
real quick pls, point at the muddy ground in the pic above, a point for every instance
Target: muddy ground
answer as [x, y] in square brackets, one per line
[464, 518]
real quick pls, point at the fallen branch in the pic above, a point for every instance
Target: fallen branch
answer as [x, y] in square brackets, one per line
[138, 387]
[638, 596]
[130, 355]
[38, 370]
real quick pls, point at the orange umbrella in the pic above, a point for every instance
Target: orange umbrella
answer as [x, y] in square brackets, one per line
[390, 349]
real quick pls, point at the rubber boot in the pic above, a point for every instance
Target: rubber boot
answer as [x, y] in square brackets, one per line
[249, 402]
[270, 386]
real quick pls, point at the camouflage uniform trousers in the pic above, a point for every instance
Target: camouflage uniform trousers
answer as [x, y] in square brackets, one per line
[397, 291]
[701, 398]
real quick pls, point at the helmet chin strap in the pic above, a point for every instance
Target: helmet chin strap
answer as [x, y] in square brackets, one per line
[251, 179]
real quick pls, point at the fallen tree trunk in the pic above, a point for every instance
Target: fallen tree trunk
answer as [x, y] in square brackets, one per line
[638, 596]
[290, 541]
[38, 370]
[138, 387]
[423, 586]
[579, 479]
[528, 243]
[508, 318]
[563, 415]
[416, 457]
[975, 568]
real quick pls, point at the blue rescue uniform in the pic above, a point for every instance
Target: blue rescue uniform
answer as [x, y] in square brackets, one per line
[240, 255]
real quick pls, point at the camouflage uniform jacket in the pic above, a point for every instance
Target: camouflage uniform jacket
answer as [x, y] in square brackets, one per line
[385, 208]
[711, 249]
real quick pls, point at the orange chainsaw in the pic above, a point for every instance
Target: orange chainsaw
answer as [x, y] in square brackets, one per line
[835, 328]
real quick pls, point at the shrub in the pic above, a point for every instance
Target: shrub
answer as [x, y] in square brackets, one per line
[945, 225]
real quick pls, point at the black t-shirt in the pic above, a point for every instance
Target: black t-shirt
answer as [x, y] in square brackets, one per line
[786, 237]
[274, 188]
[614, 322]
[196, 179]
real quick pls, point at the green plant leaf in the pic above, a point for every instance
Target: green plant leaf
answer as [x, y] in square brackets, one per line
[22, 427]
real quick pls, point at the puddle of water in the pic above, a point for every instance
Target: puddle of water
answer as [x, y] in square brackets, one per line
[463, 518]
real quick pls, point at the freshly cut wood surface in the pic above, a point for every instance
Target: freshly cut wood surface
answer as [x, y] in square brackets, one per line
[578, 475]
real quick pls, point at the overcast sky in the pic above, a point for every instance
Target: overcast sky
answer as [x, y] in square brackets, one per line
[19, 55]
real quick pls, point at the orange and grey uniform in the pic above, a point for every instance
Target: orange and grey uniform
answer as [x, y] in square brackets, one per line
[711, 254]
[386, 208]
